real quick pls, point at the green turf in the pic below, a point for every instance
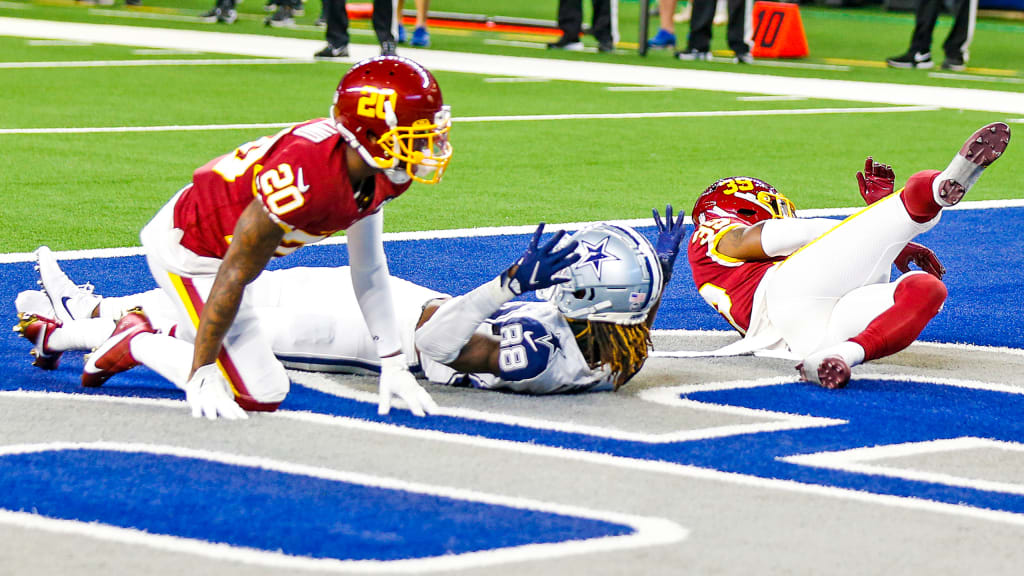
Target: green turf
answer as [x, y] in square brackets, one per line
[97, 190]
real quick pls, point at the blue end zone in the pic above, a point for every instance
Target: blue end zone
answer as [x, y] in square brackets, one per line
[980, 248]
[270, 510]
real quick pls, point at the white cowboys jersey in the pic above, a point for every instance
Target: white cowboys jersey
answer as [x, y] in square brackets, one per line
[538, 355]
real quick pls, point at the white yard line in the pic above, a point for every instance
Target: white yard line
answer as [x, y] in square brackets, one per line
[471, 119]
[164, 62]
[276, 47]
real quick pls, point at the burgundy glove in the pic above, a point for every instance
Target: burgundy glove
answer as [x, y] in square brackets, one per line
[923, 257]
[876, 181]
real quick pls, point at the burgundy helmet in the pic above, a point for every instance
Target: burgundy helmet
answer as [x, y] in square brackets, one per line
[742, 198]
[390, 110]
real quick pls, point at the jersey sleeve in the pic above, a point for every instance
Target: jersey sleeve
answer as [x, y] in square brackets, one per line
[525, 350]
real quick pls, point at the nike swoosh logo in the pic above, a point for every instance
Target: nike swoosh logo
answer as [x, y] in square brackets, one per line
[64, 303]
[533, 277]
[301, 183]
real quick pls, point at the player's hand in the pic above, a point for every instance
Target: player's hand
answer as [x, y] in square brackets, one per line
[209, 394]
[876, 181]
[670, 236]
[538, 265]
[397, 381]
[923, 257]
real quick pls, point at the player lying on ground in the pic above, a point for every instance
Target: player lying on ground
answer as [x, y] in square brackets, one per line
[820, 289]
[593, 334]
[269, 197]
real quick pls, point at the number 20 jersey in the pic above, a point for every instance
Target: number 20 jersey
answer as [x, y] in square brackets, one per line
[299, 174]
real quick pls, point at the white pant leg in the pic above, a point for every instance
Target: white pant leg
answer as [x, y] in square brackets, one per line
[805, 288]
[854, 311]
[315, 321]
[257, 378]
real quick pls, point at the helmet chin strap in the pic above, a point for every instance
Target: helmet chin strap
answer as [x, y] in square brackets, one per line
[584, 312]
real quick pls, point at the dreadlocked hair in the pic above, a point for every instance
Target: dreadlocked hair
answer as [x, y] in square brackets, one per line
[621, 348]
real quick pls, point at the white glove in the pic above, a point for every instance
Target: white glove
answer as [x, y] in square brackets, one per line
[396, 380]
[209, 394]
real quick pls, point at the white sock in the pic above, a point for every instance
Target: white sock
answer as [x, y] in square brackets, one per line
[165, 355]
[81, 334]
[849, 351]
[961, 170]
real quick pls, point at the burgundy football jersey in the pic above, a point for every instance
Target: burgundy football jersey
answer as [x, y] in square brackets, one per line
[299, 174]
[725, 283]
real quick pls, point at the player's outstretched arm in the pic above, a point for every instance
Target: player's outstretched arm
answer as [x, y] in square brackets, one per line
[447, 336]
[255, 239]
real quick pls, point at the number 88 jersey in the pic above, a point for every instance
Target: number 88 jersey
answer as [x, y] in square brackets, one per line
[538, 353]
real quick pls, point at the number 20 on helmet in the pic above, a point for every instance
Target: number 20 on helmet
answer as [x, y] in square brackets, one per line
[748, 200]
[391, 111]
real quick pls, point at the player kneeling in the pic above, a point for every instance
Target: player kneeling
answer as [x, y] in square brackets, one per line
[603, 285]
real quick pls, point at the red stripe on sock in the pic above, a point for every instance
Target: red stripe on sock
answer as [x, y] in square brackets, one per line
[918, 197]
[918, 299]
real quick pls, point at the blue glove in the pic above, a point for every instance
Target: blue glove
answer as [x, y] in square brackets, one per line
[670, 236]
[538, 266]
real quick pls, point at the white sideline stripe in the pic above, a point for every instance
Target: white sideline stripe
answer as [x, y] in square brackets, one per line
[163, 62]
[976, 78]
[514, 80]
[700, 114]
[649, 531]
[859, 460]
[613, 461]
[57, 42]
[768, 98]
[639, 88]
[437, 60]
[473, 119]
[489, 231]
[768, 421]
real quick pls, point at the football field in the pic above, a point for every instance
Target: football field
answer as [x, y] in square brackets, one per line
[698, 466]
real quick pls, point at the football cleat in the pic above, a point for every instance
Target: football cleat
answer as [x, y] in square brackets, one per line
[982, 149]
[70, 301]
[37, 330]
[830, 372]
[114, 355]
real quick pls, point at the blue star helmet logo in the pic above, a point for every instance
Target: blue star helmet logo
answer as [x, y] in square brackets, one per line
[596, 255]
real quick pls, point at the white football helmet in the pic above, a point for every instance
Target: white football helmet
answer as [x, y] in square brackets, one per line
[617, 278]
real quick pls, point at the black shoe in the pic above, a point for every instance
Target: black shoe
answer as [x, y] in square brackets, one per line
[606, 46]
[691, 54]
[388, 48]
[281, 18]
[954, 62]
[133, 2]
[911, 60]
[211, 16]
[566, 43]
[330, 52]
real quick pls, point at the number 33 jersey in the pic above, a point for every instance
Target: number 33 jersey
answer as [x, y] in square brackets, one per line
[727, 284]
[300, 176]
[538, 355]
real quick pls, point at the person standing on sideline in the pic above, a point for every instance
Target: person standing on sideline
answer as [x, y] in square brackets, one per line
[384, 25]
[965, 12]
[570, 22]
[420, 34]
[740, 31]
